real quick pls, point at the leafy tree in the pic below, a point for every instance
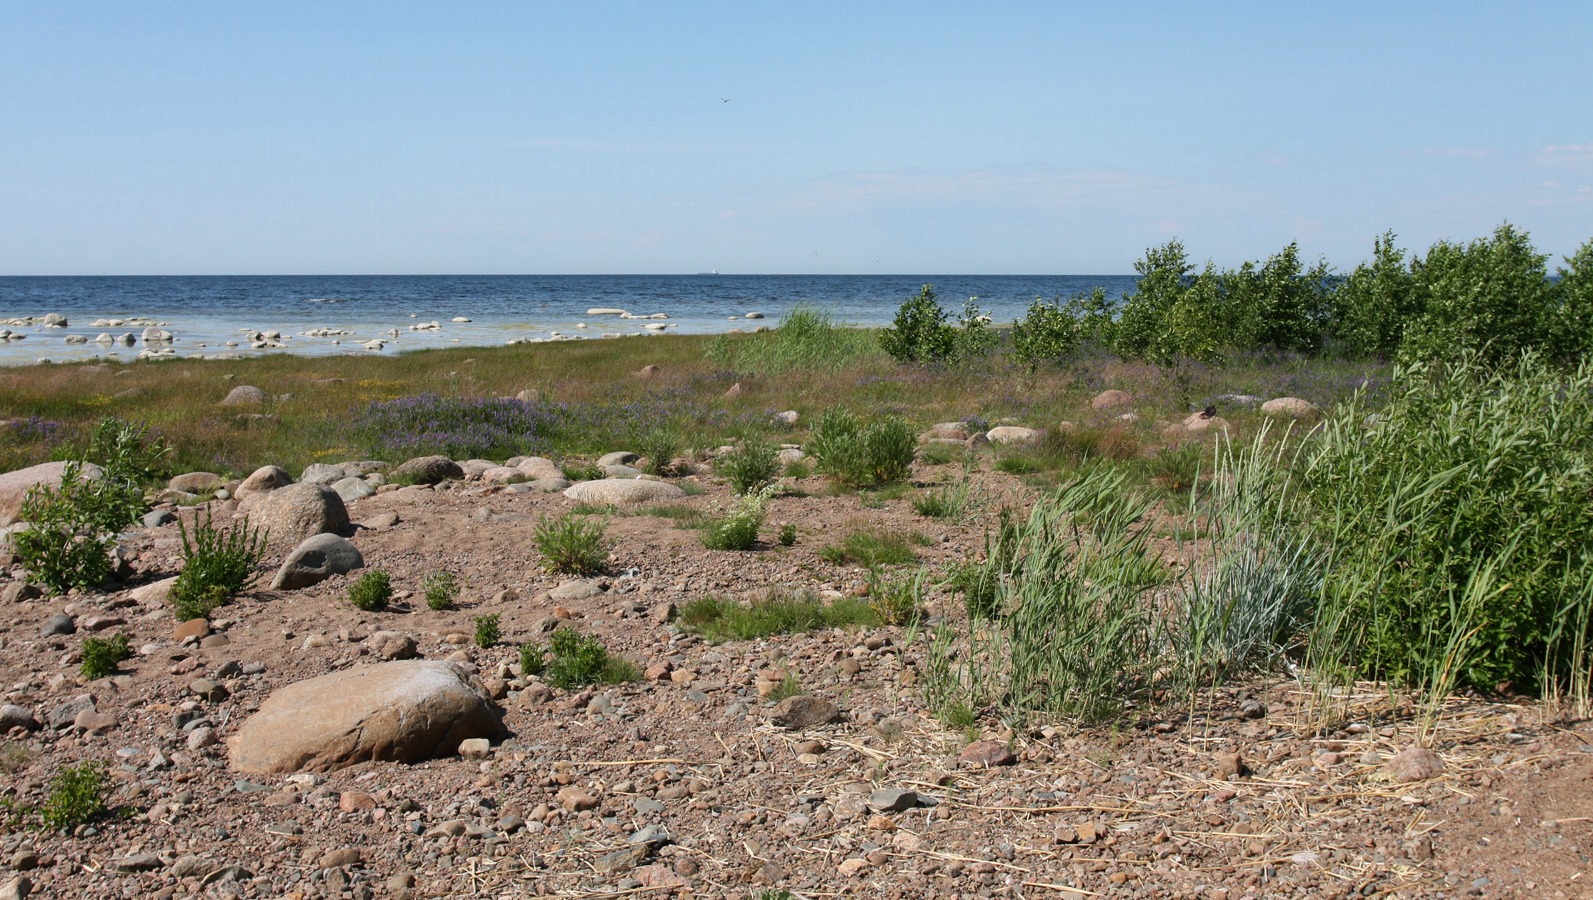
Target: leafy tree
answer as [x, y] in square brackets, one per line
[1568, 330]
[1046, 334]
[920, 332]
[1164, 276]
[1492, 296]
[1375, 304]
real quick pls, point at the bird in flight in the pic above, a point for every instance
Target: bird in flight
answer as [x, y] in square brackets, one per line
[724, 99]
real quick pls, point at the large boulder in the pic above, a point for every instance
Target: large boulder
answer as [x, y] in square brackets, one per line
[1012, 434]
[427, 470]
[244, 395]
[1111, 399]
[405, 711]
[196, 482]
[298, 511]
[316, 559]
[623, 491]
[14, 485]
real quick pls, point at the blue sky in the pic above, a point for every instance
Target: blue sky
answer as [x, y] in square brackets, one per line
[858, 137]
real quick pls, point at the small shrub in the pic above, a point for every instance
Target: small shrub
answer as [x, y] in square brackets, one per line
[128, 451]
[572, 545]
[533, 659]
[749, 466]
[77, 796]
[71, 528]
[441, 589]
[372, 591]
[973, 339]
[100, 655]
[858, 455]
[718, 619]
[1048, 333]
[788, 534]
[580, 660]
[216, 566]
[738, 529]
[487, 631]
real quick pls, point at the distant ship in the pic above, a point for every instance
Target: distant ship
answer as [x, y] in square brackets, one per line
[710, 272]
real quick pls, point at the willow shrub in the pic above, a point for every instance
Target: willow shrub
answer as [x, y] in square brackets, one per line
[1457, 521]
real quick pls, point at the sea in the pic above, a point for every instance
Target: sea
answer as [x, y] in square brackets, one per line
[221, 316]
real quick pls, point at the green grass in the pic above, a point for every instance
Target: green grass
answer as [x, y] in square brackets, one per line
[870, 548]
[577, 660]
[683, 516]
[950, 501]
[572, 545]
[372, 592]
[719, 619]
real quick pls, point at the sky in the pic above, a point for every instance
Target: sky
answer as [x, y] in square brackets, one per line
[779, 137]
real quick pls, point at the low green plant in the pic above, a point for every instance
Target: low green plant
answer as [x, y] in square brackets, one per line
[579, 660]
[441, 589]
[860, 455]
[788, 534]
[77, 795]
[533, 659]
[920, 332]
[217, 565]
[1048, 333]
[372, 592]
[805, 339]
[939, 453]
[749, 466]
[127, 451]
[871, 548]
[14, 755]
[488, 631]
[101, 655]
[738, 528]
[719, 619]
[580, 471]
[572, 545]
[897, 597]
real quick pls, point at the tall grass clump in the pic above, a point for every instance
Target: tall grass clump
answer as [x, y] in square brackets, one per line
[1252, 600]
[749, 465]
[1078, 637]
[950, 501]
[217, 565]
[806, 339]
[738, 528]
[860, 455]
[572, 545]
[1457, 519]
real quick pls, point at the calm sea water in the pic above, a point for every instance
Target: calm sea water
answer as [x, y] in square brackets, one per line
[207, 312]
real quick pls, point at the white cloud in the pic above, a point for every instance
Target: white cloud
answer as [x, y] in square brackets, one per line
[1565, 156]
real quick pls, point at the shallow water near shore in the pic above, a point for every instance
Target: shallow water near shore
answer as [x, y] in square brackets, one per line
[205, 313]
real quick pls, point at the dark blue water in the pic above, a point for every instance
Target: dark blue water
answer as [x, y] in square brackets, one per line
[205, 313]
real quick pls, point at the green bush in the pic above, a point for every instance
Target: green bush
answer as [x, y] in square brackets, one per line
[71, 528]
[860, 455]
[372, 592]
[572, 545]
[1458, 519]
[788, 534]
[749, 465]
[1046, 334]
[580, 660]
[488, 630]
[920, 332]
[1375, 303]
[738, 528]
[128, 451]
[100, 655]
[217, 565]
[441, 589]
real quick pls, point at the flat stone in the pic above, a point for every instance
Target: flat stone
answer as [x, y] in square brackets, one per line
[1415, 764]
[623, 491]
[58, 624]
[987, 754]
[898, 800]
